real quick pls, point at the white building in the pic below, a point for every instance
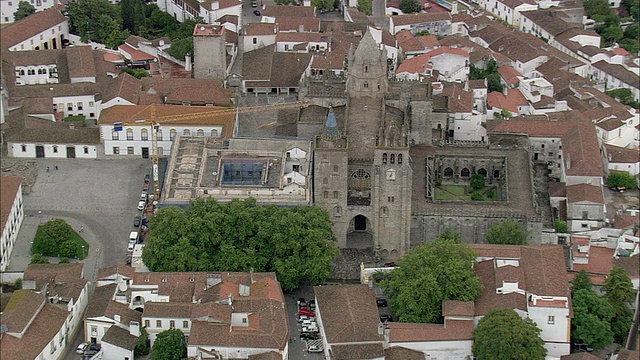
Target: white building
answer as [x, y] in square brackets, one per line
[43, 30]
[210, 11]
[622, 159]
[104, 312]
[258, 35]
[12, 216]
[135, 135]
[508, 10]
[8, 7]
[451, 63]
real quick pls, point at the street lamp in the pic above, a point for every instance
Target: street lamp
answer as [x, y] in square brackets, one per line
[83, 251]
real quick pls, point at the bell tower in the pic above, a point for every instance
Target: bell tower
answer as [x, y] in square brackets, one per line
[367, 67]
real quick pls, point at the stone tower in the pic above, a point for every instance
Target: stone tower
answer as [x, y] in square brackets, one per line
[209, 52]
[363, 176]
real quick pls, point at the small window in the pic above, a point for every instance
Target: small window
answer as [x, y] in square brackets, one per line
[551, 320]
[144, 135]
[116, 150]
[115, 135]
[79, 106]
[186, 132]
[172, 324]
[200, 132]
[325, 181]
[244, 320]
[172, 134]
[325, 195]
[158, 323]
[214, 132]
[55, 149]
[129, 150]
[399, 158]
[91, 104]
[129, 134]
[384, 158]
[24, 148]
[392, 158]
[255, 40]
[146, 323]
[335, 168]
[69, 106]
[185, 324]
[336, 194]
[85, 149]
[585, 215]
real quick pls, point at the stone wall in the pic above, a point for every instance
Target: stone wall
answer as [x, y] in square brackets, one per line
[346, 266]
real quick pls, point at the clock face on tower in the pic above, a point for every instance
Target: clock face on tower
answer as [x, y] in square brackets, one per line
[391, 174]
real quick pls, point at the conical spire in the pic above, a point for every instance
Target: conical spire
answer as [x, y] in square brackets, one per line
[331, 126]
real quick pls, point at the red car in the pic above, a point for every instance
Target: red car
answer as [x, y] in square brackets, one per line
[306, 312]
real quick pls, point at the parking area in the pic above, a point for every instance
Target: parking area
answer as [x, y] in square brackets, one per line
[298, 346]
[98, 198]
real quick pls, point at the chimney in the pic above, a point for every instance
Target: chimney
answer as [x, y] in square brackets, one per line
[568, 161]
[300, 28]
[134, 328]
[116, 318]
[230, 299]
[187, 62]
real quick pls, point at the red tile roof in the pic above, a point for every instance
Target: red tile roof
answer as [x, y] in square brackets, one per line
[509, 74]
[510, 102]
[40, 333]
[136, 55]
[450, 330]
[30, 26]
[349, 313]
[617, 154]
[579, 139]
[420, 18]
[457, 308]
[295, 23]
[585, 193]
[417, 64]
[10, 185]
[541, 271]
[600, 261]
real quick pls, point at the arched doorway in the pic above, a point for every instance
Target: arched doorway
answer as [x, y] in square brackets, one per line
[359, 235]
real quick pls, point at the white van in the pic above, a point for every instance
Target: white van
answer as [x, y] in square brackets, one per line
[309, 323]
[133, 237]
[131, 247]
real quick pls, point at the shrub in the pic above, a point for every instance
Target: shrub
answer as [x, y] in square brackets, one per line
[476, 196]
[561, 226]
[621, 179]
[477, 181]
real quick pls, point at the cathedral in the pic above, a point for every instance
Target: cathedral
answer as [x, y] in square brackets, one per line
[362, 169]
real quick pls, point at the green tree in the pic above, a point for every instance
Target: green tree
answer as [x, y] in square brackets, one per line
[581, 282]
[18, 284]
[409, 6]
[138, 16]
[296, 243]
[502, 334]
[624, 95]
[127, 12]
[64, 260]
[142, 347]
[39, 259]
[597, 7]
[169, 345]
[322, 4]
[159, 22]
[50, 236]
[508, 232]
[477, 181]
[137, 73]
[24, 9]
[94, 19]
[591, 319]
[618, 290]
[181, 47]
[430, 274]
[621, 179]
[476, 196]
[365, 6]
[561, 226]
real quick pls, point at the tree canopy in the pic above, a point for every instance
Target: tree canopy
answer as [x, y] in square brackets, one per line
[430, 274]
[57, 238]
[591, 319]
[508, 232]
[618, 290]
[490, 73]
[581, 282]
[296, 243]
[502, 334]
[24, 9]
[621, 179]
[365, 6]
[410, 6]
[169, 345]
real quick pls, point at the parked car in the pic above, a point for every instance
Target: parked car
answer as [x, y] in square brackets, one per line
[141, 205]
[302, 303]
[310, 336]
[143, 197]
[312, 304]
[145, 187]
[306, 317]
[256, 13]
[81, 348]
[147, 178]
[386, 318]
[309, 329]
[381, 302]
[309, 323]
[254, 4]
[306, 312]
[314, 349]
[136, 221]
[94, 347]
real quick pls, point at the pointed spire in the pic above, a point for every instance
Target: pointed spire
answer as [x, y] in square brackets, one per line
[331, 131]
